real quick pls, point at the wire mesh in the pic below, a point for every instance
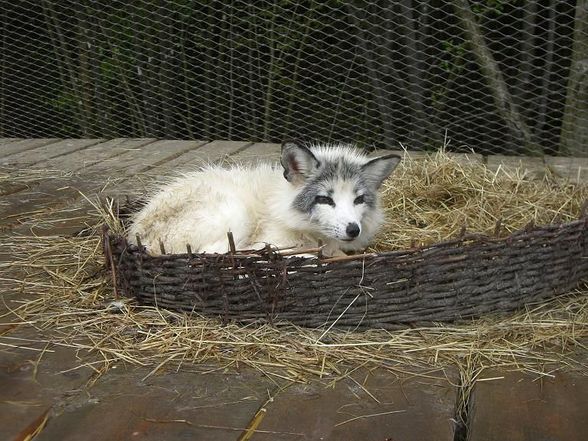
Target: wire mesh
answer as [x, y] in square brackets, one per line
[495, 76]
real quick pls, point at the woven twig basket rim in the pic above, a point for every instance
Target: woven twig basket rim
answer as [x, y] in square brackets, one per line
[183, 278]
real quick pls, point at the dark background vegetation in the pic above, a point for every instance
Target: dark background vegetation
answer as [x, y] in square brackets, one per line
[378, 73]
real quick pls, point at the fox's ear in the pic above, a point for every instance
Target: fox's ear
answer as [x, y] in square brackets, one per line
[298, 162]
[377, 170]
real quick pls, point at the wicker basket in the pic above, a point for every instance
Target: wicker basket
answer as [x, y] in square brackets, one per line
[457, 279]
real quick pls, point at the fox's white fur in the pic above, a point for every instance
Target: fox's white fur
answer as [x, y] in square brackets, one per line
[326, 193]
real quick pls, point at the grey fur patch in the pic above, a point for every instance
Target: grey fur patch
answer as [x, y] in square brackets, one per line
[322, 182]
[369, 196]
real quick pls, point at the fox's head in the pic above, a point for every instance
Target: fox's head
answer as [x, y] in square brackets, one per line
[337, 190]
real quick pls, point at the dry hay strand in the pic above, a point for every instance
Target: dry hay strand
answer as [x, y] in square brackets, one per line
[68, 296]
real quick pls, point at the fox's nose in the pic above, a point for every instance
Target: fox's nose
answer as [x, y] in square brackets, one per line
[352, 229]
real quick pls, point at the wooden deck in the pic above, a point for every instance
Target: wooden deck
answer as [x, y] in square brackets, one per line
[219, 405]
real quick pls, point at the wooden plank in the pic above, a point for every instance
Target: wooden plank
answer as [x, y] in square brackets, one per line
[12, 181]
[532, 166]
[467, 158]
[383, 152]
[11, 293]
[47, 151]
[383, 407]
[61, 190]
[405, 155]
[23, 146]
[58, 220]
[260, 152]
[146, 157]
[211, 152]
[178, 405]
[6, 142]
[571, 169]
[34, 381]
[522, 408]
[50, 192]
[56, 202]
[85, 158]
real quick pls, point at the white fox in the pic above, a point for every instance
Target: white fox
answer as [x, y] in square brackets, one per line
[321, 192]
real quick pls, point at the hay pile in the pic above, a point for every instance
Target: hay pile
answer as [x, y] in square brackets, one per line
[432, 199]
[68, 295]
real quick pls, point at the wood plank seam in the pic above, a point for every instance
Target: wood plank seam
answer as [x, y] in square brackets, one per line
[72, 151]
[169, 158]
[236, 152]
[89, 164]
[49, 142]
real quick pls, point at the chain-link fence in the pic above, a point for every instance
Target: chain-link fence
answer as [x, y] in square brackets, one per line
[496, 76]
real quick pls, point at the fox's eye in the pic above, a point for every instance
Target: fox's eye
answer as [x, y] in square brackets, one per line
[324, 200]
[359, 200]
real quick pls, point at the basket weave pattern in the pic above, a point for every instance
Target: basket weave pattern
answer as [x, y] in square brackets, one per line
[457, 279]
